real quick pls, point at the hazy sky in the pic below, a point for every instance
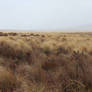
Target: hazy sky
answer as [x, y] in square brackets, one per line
[45, 14]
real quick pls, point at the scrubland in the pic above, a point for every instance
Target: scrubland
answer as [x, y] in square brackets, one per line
[45, 62]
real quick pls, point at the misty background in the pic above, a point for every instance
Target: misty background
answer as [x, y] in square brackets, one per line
[46, 15]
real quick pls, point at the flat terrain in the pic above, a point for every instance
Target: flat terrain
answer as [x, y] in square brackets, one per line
[45, 62]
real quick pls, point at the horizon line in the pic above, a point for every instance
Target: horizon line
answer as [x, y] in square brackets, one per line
[42, 30]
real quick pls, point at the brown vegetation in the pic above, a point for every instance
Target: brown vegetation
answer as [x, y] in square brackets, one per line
[8, 81]
[45, 62]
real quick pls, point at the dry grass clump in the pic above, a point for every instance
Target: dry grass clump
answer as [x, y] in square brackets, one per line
[3, 34]
[12, 34]
[64, 39]
[8, 81]
[14, 49]
[48, 47]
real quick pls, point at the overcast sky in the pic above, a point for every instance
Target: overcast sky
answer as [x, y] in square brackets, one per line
[45, 14]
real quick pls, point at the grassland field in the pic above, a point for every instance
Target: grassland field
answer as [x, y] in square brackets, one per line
[45, 62]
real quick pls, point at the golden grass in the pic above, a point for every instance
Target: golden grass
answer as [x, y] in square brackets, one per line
[8, 81]
[46, 62]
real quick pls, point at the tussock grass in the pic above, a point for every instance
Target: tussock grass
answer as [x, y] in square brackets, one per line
[8, 81]
[14, 48]
[45, 62]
